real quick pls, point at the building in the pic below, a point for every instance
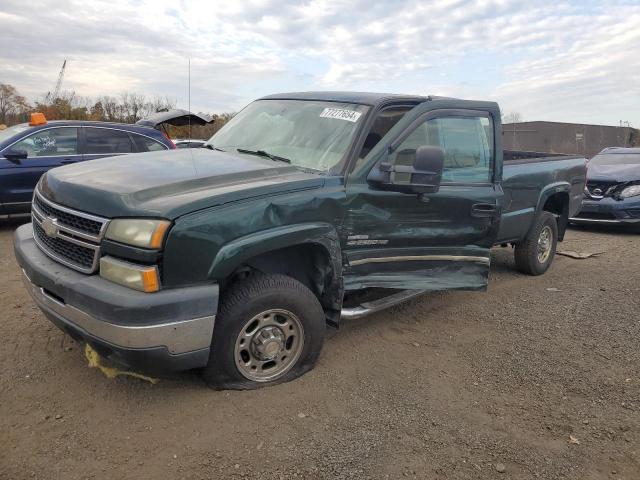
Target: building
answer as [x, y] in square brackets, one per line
[573, 138]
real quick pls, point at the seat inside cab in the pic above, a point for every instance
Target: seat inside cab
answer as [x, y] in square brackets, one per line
[385, 121]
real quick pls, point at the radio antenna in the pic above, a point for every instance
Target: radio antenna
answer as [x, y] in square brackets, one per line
[189, 96]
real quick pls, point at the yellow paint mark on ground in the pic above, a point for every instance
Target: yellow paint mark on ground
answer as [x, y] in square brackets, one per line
[95, 361]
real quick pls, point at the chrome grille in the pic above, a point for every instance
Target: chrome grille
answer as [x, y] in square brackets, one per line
[68, 236]
[83, 224]
[82, 257]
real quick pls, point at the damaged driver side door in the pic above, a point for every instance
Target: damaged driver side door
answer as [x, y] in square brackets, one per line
[424, 207]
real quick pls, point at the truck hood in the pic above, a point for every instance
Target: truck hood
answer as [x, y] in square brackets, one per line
[170, 183]
[621, 172]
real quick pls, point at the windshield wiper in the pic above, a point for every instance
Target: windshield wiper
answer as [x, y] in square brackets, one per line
[211, 147]
[262, 153]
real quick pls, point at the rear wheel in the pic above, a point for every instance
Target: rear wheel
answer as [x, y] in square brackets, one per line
[535, 253]
[269, 329]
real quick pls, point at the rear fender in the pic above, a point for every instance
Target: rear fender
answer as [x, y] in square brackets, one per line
[563, 215]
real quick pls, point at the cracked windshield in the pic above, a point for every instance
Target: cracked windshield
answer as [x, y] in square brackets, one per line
[311, 134]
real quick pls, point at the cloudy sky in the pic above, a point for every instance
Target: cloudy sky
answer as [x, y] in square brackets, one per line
[548, 60]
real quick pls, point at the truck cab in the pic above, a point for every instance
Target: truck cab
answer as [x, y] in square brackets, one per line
[234, 257]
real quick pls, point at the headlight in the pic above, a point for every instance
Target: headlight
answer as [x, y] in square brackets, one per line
[138, 232]
[139, 277]
[631, 191]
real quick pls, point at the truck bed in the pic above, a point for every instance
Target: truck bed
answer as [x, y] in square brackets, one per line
[525, 176]
[524, 156]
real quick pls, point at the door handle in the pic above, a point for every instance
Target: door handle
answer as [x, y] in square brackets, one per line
[67, 160]
[483, 210]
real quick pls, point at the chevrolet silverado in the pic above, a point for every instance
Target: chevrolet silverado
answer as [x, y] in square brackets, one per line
[233, 258]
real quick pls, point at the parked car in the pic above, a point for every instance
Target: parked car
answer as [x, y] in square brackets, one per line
[235, 256]
[30, 149]
[192, 143]
[612, 194]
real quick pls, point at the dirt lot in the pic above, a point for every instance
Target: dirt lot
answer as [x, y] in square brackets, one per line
[541, 383]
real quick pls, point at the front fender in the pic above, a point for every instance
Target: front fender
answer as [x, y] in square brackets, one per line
[238, 251]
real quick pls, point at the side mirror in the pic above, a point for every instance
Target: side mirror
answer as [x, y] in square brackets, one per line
[15, 156]
[423, 176]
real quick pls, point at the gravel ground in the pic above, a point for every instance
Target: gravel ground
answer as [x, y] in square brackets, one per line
[538, 378]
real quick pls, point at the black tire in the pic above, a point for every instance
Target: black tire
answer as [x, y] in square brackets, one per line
[247, 299]
[526, 252]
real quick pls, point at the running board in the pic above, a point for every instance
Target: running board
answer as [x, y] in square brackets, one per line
[373, 306]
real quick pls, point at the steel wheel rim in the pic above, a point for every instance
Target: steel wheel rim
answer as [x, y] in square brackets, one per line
[545, 242]
[269, 345]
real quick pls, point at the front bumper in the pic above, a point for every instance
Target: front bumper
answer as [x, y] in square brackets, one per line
[169, 330]
[609, 211]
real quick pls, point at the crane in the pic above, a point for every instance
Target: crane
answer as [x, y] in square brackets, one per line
[53, 95]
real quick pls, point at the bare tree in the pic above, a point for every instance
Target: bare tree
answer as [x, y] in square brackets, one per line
[110, 108]
[96, 112]
[129, 107]
[513, 117]
[137, 104]
[159, 104]
[11, 103]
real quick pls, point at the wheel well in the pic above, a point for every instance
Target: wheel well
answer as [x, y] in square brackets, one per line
[558, 204]
[309, 263]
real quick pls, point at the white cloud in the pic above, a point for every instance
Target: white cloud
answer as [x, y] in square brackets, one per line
[549, 59]
[594, 77]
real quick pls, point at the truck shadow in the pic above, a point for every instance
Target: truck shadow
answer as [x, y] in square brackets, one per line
[502, 262]
[9, 225]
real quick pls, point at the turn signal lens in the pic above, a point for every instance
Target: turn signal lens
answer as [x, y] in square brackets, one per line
[158, 234]
[150, 281]
[139, 277]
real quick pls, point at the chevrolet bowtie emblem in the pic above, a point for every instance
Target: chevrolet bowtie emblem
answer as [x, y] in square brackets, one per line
[49, 226]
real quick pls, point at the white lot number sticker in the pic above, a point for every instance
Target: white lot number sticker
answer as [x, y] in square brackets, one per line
[341, 114]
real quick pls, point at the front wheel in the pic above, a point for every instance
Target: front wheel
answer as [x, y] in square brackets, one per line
[535, 253]
[269, 329]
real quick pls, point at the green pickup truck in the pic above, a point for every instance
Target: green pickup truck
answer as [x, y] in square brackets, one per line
[305, 209]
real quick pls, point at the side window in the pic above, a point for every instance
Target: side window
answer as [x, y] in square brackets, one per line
[405, 154]
[100, 141]
[146, 144]
[50, 142]
[384, 121]
[467, 143]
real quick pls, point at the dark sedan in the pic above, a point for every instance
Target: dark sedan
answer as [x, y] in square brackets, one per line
[30, 149]
[612, 194]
